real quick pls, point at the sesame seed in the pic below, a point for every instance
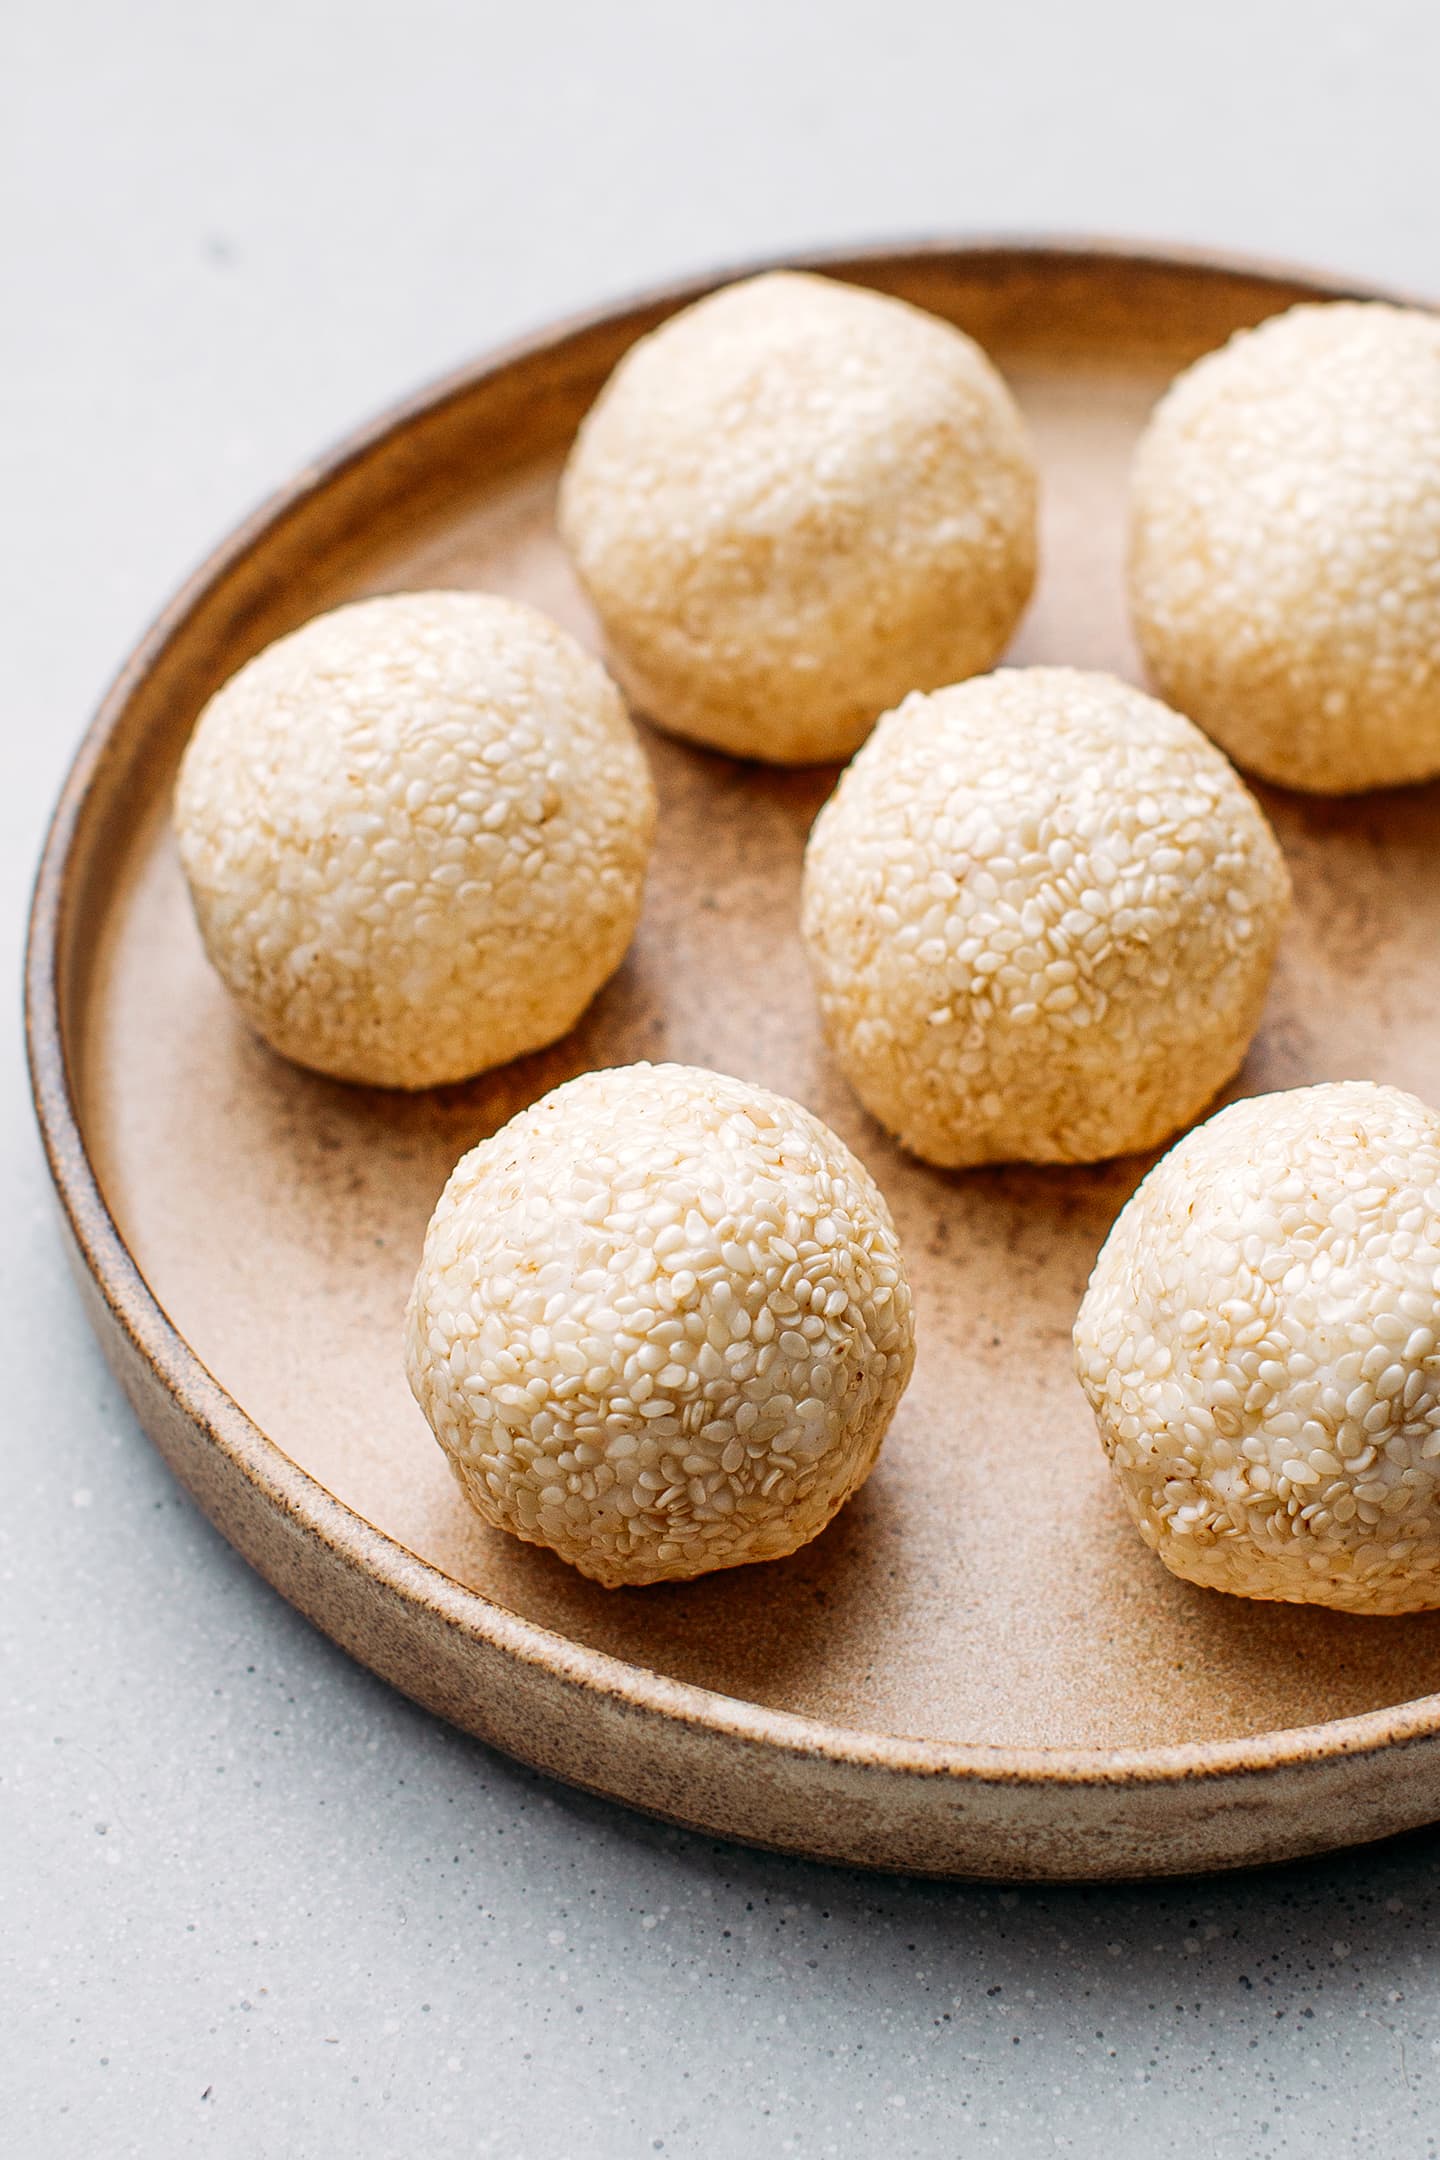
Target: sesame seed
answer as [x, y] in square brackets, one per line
[337, 812]
[799, 624]
[1328, 1438]
[733, 1443]
[1069, 1033]
[1285, 546]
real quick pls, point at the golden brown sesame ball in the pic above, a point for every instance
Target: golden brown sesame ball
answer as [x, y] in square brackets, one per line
[415, 832]
[1285, 547]
[1259, 1346]
[661, 1324]
[791, 504]
[1041, 911]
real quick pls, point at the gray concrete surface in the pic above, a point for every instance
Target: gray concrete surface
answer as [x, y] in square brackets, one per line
[254, 1904]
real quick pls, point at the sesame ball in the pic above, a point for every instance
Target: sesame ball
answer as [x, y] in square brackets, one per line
[792, 503]
[1041, 911]
[1259, 1346]
[661, 1324]
[1285, 547]
[415, 833]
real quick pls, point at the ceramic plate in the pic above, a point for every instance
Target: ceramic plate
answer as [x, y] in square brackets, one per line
[977, 1669]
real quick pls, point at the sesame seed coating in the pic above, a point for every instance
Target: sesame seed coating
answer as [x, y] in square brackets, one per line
[661, 1324]
[415, 832]
[794, 502]
[1041, 911]
[1285, 546]
[1260, 1343]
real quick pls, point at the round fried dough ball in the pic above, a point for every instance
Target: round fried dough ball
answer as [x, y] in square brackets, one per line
[661, 1324]
[1285, 547]
[1041, 911]
[1259, 1346]
[415, 833]
[792, 503]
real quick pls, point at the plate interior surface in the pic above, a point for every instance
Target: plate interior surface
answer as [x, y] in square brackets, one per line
[984, 1587]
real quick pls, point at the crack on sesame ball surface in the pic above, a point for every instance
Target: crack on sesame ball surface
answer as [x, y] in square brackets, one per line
[661, 1324]
[794, 502]
[1285, 546]
[415, 832]
[1259, 1345]
[1041, 911]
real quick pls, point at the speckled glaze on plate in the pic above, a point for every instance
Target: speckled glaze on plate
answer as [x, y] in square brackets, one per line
[977, 1670]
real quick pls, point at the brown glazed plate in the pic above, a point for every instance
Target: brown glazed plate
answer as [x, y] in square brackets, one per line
[977, 1670]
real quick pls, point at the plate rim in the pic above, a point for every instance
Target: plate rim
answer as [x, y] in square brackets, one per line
[352, 1540]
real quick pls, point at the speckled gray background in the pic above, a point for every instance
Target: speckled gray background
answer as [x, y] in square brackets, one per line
[253, 1903]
